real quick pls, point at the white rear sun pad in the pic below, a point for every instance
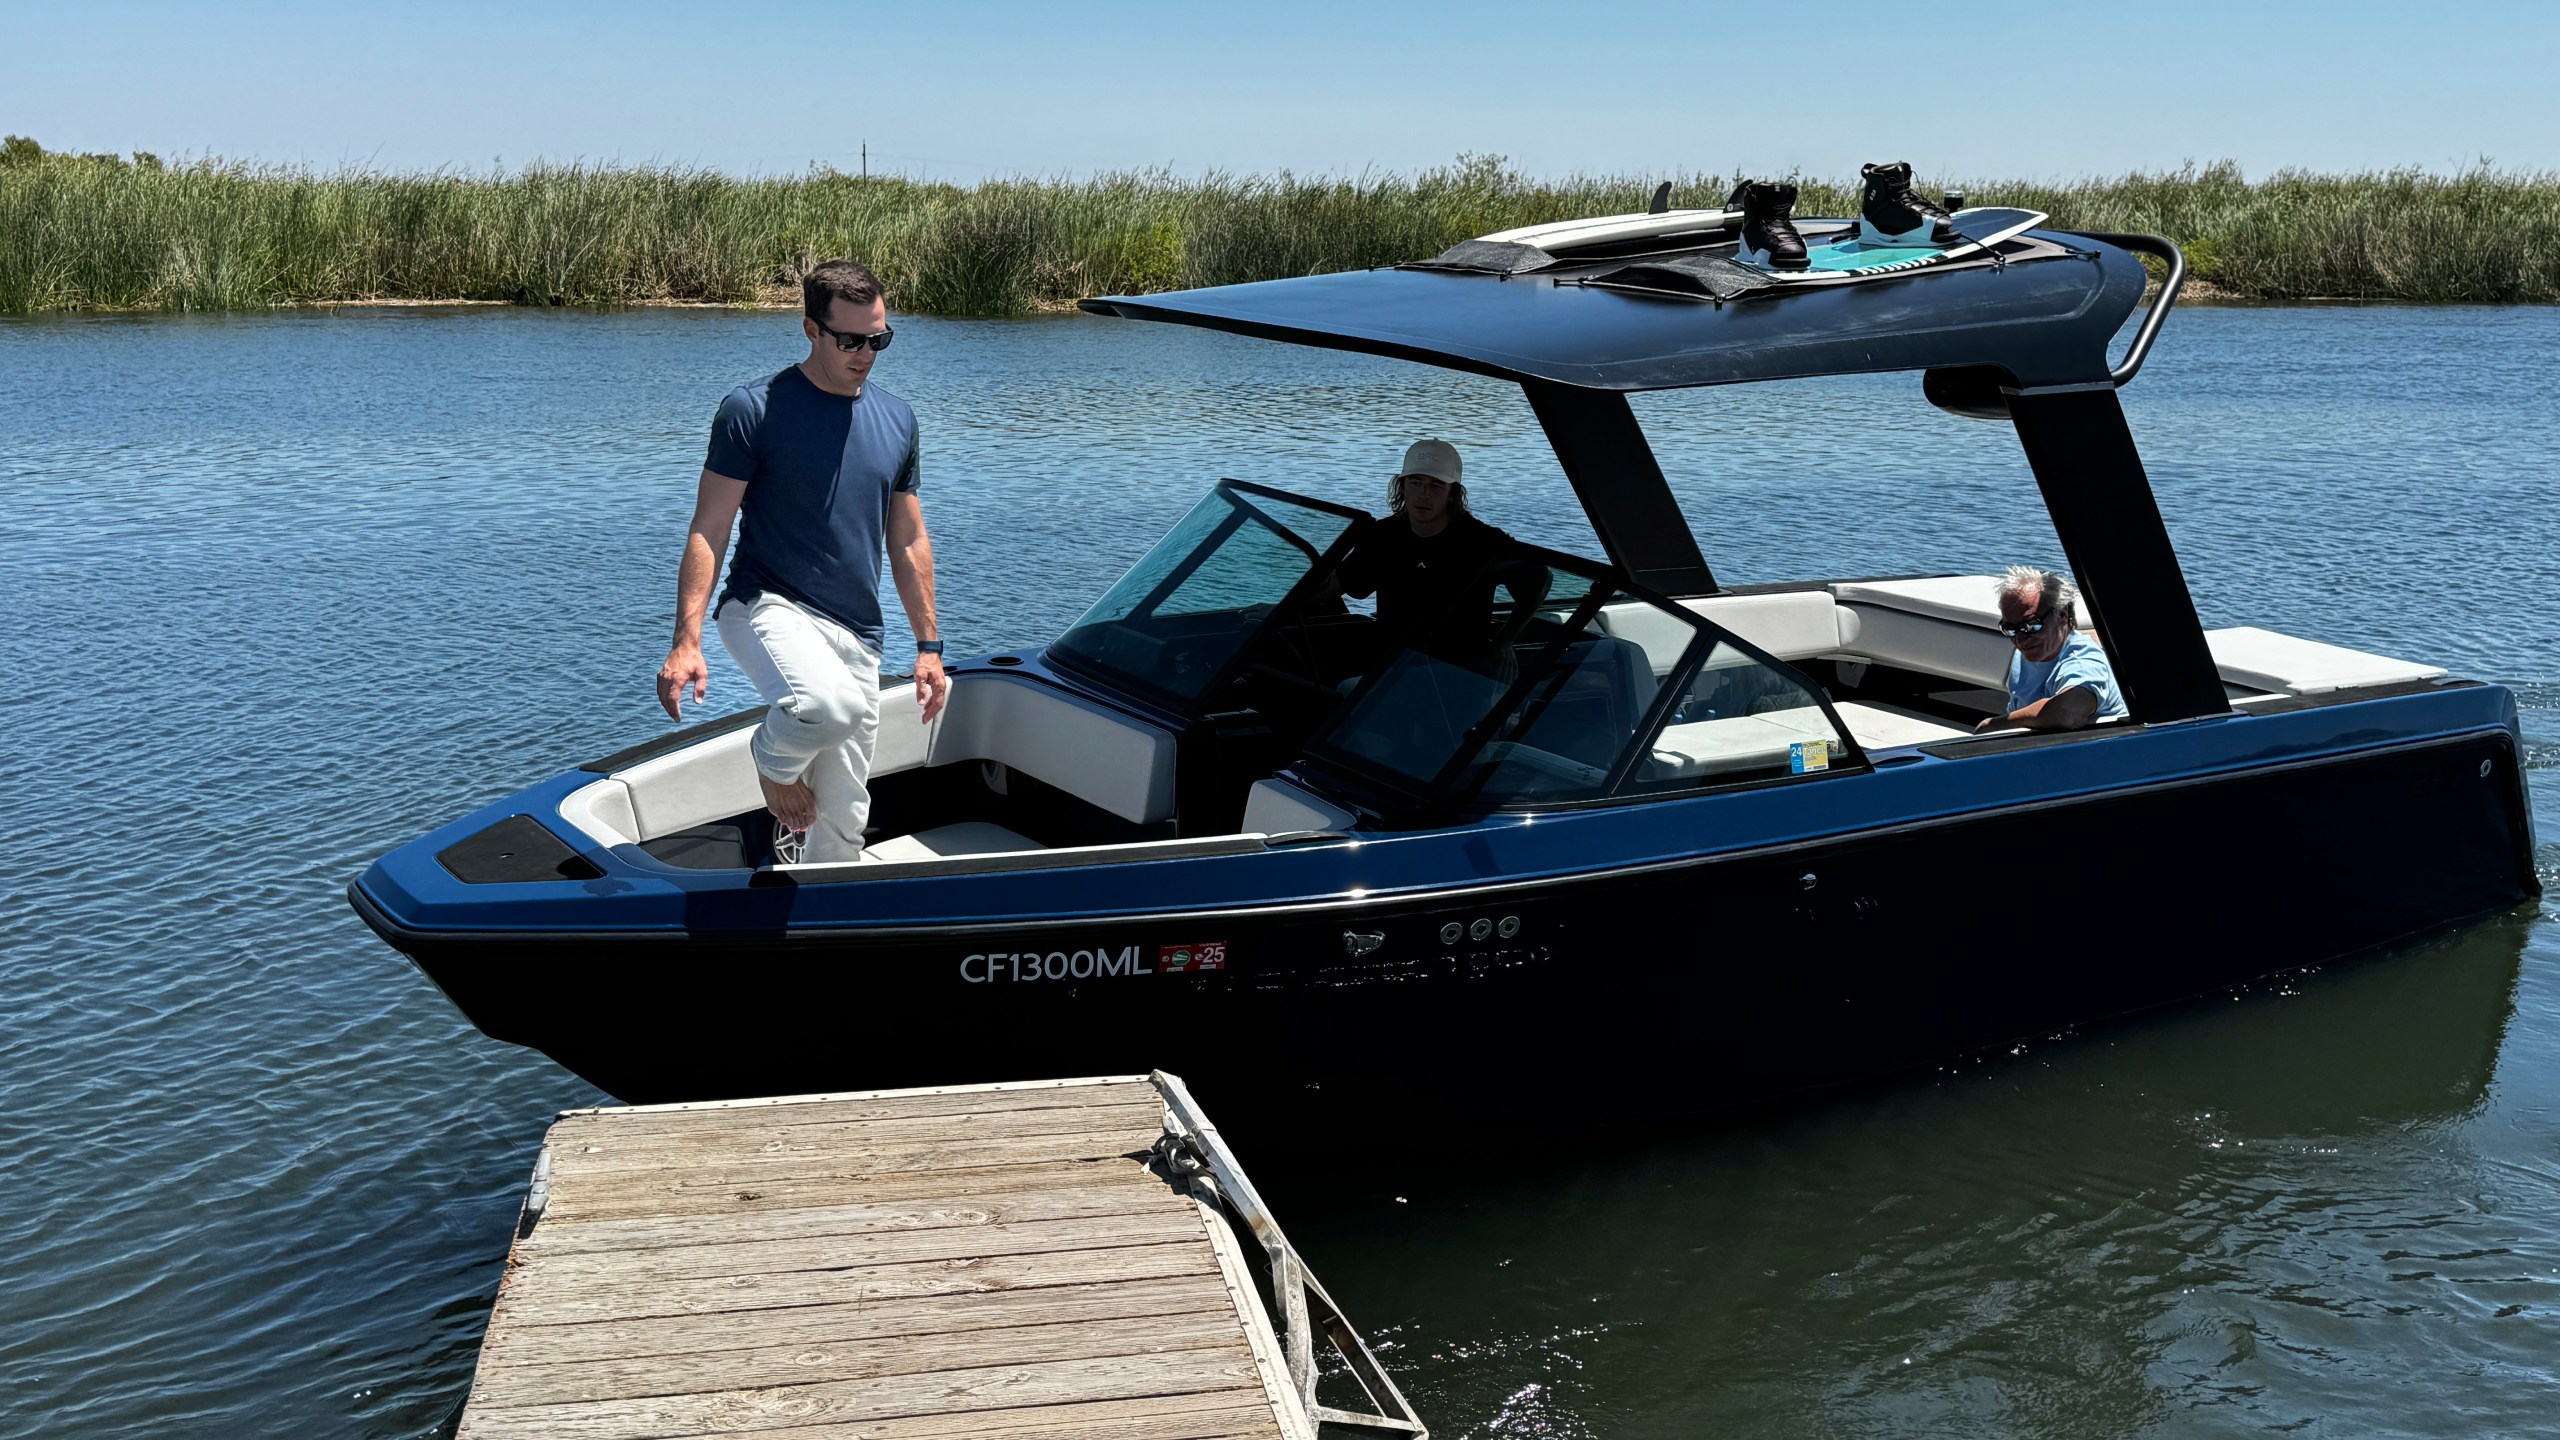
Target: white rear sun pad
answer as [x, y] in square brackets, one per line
[2265, 660]
[1965, 599]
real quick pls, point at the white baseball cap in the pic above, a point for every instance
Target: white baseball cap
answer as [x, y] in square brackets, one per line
[1435, 458]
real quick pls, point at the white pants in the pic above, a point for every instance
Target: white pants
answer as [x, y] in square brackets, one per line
[823, 683]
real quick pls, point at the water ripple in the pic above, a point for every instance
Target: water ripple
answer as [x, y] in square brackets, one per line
[338, 578]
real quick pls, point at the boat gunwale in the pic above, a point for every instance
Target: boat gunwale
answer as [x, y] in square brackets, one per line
[797, 935]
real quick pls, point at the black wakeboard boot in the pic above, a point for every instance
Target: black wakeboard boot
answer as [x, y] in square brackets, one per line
[1894, 214]
[1769, 238]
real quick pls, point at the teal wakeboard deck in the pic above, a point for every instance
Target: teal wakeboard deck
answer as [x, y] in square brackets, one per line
[1840, 257]
[1833, 254]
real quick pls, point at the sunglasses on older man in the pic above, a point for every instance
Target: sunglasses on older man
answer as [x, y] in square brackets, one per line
[846, 340]
[2032, 625]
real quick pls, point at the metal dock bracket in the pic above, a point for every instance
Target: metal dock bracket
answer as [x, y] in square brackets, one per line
[1192, 1147]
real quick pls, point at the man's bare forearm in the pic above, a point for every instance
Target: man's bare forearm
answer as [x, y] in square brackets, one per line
[701, 566]
[911, 562]
[715, 509]
[911, 565]
[2073, 709]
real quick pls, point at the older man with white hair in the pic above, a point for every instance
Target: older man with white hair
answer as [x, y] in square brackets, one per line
[2059, 679]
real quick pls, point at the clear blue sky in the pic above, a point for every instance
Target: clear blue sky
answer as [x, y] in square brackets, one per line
[960, 91]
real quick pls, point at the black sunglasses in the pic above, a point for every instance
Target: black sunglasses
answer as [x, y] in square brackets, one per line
[2032, 625]
[879, 340]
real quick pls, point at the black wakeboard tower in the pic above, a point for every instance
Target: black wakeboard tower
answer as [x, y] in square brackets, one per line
[2020, 333]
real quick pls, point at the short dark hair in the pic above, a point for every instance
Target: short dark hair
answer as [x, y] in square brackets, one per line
[838, 280]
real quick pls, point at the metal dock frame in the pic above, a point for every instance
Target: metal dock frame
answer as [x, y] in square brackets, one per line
[1193, 1149]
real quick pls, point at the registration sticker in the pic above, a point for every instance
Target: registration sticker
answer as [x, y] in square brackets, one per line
[1806, 755]
[1175, 959]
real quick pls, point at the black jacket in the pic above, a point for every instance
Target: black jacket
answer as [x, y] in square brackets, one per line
[1434, 593]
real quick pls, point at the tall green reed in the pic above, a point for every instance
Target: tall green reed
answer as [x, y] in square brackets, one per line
[99, 232]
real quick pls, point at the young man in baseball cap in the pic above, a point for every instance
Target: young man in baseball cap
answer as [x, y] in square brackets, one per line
[1428, 560]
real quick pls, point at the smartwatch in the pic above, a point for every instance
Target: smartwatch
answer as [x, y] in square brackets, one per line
[928, 647]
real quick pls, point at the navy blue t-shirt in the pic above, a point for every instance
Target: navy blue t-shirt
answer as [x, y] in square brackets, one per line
[820, 469]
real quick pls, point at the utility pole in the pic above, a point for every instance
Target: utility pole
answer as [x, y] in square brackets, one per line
[866, 160]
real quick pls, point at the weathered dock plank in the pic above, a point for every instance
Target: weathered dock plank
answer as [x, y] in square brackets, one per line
[619, 1299]
[946, 1114]
[711, 1259]
[716, 1165]
[839, 1144]
[897, 1266]
[1225, 1371]
[771, 1366]
[818, 1327]
[750, 1221]
[635, 1194]
[1126, 1420]
[874, 1105]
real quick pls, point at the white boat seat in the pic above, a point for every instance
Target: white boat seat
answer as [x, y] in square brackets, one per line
[942, 842]
[1660, 638]
[1964, 599]
[602, 810]
[1790, 624]
[1088, 750]
[716, 778]
[1886, 727]
[1915, 624]
[1099, 755]
[2265, 660]
[1734, 742]
[1929, 645]
[1280, 807]
[1946, 625]
[709, 780]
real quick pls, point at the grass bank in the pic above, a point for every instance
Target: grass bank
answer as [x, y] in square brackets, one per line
[107, 232]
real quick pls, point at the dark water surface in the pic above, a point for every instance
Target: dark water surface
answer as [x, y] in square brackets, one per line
[292, 589]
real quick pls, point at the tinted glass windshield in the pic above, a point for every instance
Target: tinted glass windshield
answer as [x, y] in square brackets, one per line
[1190, 604]
[1581, 691]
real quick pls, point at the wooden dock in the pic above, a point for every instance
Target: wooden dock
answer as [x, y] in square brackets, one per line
[1035, 1260]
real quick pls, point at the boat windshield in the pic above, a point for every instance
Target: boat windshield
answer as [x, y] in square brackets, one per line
[1580, 691]
[1188, 607]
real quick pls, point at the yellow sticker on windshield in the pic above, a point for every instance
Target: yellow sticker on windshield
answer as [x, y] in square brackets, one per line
[1807, 755]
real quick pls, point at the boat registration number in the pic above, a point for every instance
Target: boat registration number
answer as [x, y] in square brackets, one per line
[1003, 967]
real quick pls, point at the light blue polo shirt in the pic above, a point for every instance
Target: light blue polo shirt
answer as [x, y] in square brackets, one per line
[2080, 662]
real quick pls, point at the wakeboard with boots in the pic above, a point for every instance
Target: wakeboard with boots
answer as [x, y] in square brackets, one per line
[1769, 238]
[1893, 214]
[1896, 232]
[1773, 251]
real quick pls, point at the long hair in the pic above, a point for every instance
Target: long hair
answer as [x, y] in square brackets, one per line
[1457, 497]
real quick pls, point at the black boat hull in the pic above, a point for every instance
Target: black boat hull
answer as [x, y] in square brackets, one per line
[1683, 984]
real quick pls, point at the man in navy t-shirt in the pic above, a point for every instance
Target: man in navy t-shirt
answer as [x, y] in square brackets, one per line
[821, 465]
